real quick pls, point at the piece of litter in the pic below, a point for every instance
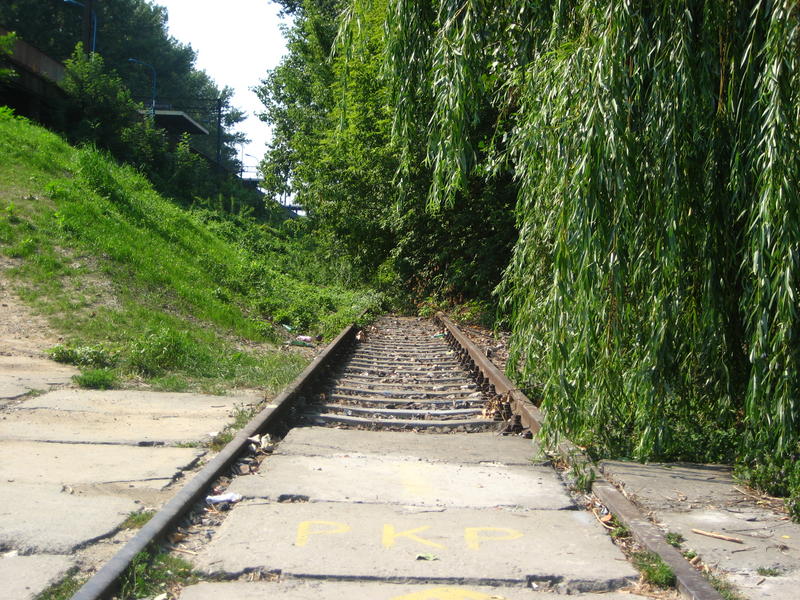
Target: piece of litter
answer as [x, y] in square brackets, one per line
[228, 497]
[301, 344]
[304, 338]
[427, 557]
[718, 536]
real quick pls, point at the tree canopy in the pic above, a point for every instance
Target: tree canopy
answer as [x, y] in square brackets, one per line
[640, 157]
[133, 29]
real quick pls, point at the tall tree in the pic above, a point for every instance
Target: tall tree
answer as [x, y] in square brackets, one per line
[134, 29]
[653, 288]
[330, 107]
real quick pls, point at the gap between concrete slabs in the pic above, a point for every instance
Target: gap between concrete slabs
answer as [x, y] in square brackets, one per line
[327, 590]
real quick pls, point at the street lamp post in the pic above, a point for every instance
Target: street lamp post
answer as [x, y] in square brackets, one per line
[89, 34]
[153, 71]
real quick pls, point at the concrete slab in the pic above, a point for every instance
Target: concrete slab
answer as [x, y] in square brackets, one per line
[37, 462]
[99, 428]
[11, 389]
[567, 549]
[328, 590]
[674, 486]
[118, 417]
[47, 519]
[21, 374]
[24, 577]
[769, 542]
[757, 587]
[477, 448]
[383, 479]
[135, 401]
[682, 497]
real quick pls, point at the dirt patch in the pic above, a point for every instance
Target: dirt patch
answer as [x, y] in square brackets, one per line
[22, 333]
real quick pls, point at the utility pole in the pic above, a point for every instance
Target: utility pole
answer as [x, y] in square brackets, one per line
[219, 133]
[89, 25]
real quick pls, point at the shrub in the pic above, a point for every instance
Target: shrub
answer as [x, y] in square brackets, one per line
[98, 356]
[96, 379]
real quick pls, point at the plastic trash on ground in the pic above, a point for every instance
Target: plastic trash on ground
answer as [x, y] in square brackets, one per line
[227, 497]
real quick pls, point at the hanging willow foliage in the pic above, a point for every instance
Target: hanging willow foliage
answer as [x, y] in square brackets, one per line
[653, 289]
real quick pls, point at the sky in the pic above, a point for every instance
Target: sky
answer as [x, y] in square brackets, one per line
[236, 42]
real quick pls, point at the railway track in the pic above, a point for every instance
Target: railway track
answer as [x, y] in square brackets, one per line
[392, 482]
[403, 374]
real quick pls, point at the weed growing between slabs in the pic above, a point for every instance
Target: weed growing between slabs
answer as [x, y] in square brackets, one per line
[242, 414]
[64, 589]
[653, 569]
[137, 519]
[182, 299]
[724, 587]
[153, 572]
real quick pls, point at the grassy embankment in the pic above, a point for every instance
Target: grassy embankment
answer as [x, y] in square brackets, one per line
[144, 291]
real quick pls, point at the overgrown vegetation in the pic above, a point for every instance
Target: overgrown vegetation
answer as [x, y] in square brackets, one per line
[653, 569]
[6, 46]
[64, 589]
[650, 150]
[142, 288]
[332, 117]
[137, 519]
[109, 98]
[134, 29]
[674, 539]
[152, 573]
[242, 414]
[725, 588]
[96, 379]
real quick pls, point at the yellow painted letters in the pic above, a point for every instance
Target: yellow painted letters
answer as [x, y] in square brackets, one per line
[390, 535]
[308, 528]
[473, 536]
[445, 593]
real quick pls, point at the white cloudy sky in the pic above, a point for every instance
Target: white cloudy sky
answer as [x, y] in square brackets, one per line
[236, 41]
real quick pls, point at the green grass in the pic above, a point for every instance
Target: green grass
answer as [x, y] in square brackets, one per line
[97, 379]
[241, 416]
[725, 588]
[153, 573]
[620, 532]
[146, 290]
[768, 571]
[64, 589]
[674, 539]
[137, 519]
[653, 569]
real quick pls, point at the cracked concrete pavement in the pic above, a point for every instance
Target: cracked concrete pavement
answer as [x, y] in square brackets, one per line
[75, 463]
[764, 564]
[348, 513]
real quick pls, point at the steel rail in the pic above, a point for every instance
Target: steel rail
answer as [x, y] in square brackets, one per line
[106, 580]
[689, 581]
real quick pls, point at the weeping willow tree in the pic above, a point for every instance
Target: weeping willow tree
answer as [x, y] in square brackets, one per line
[653, 289]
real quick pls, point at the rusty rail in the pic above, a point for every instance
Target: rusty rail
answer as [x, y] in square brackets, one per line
[106, 580]
[689, 581]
